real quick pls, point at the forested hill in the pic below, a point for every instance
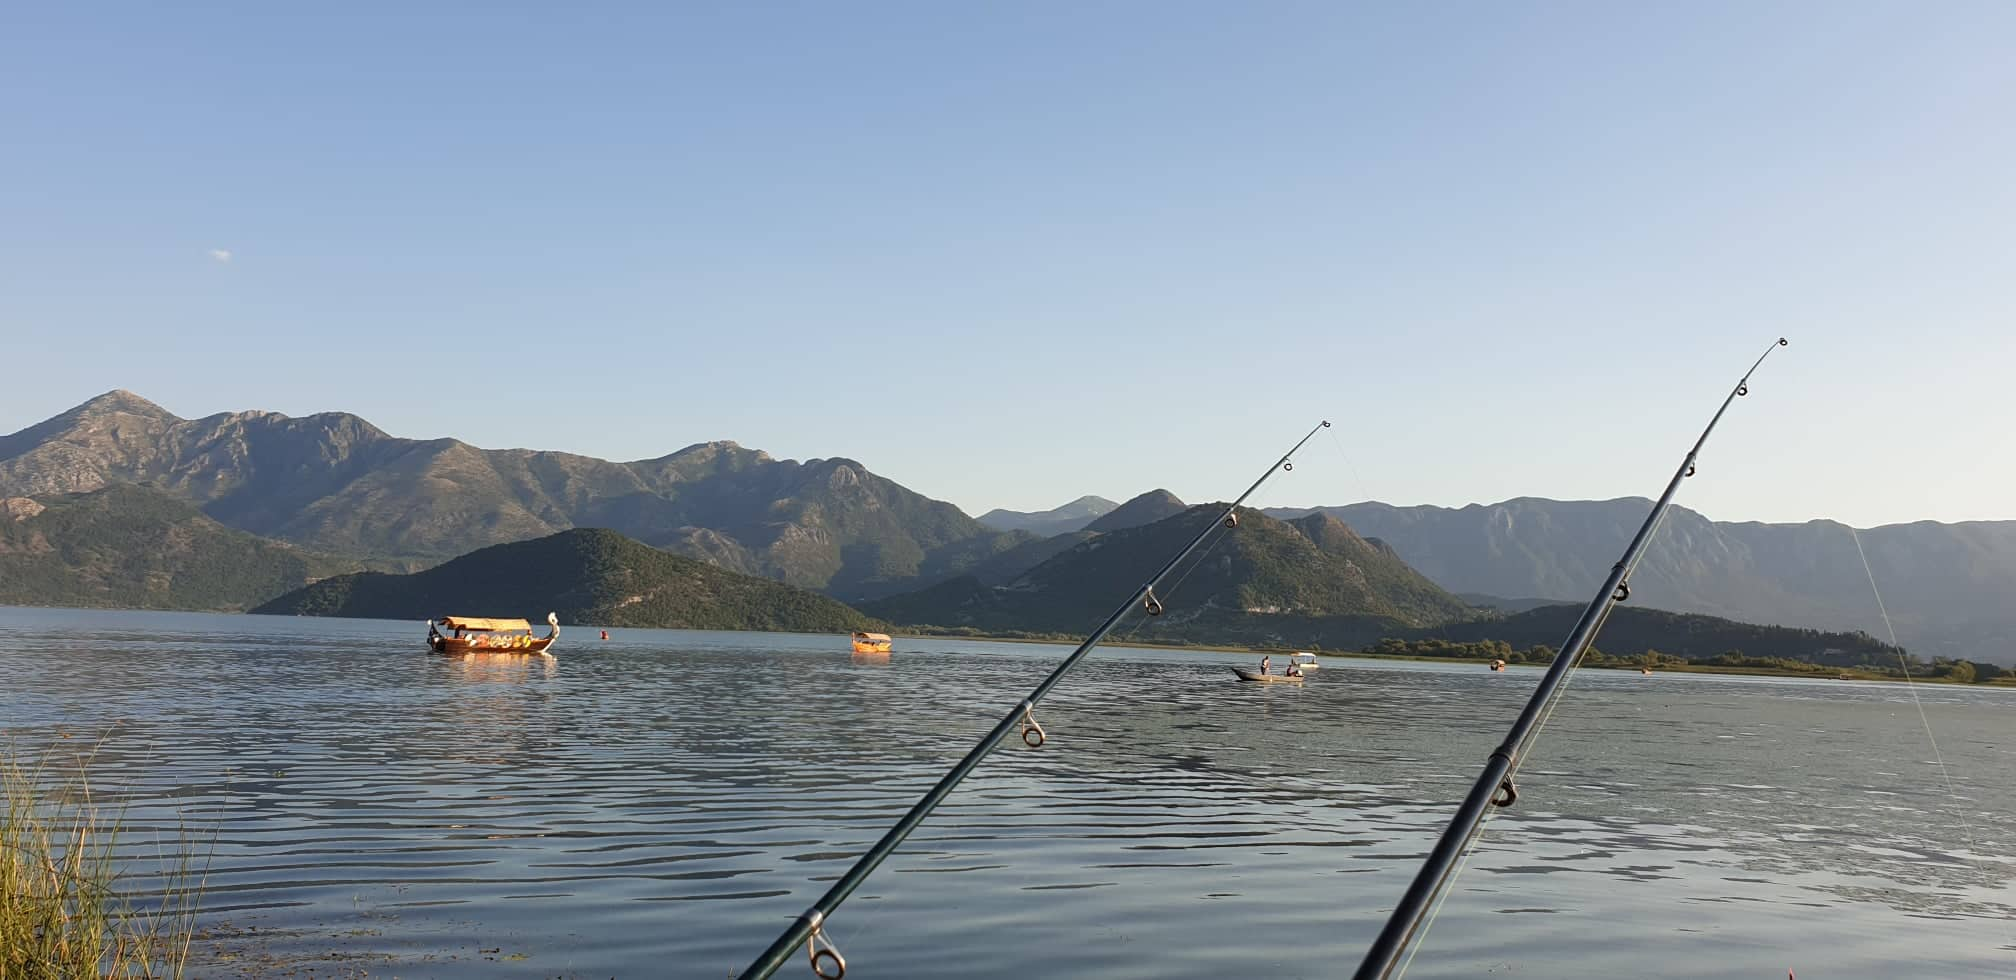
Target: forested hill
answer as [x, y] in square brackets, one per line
[587, 576]
[130, 547]
[1632, 630]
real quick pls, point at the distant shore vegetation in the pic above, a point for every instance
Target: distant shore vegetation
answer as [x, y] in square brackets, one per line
[1728, 662]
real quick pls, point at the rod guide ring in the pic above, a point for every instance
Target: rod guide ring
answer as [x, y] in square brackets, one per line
[1032, 733]
[824, 954]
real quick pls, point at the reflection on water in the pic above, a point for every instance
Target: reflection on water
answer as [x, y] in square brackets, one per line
[662, 803]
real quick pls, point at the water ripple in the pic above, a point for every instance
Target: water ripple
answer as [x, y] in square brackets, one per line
[362, 802]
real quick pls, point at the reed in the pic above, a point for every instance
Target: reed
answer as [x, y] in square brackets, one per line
[70, 906]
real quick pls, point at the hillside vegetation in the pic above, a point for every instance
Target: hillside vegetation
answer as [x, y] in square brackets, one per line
[130, 547]
[586, 576]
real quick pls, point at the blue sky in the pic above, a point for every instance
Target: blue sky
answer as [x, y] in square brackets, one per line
[1010, 256]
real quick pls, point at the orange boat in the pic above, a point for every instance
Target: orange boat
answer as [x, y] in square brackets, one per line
[871, 643]
[470, 634]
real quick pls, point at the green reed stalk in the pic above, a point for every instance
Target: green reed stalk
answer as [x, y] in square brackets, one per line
[62, 914]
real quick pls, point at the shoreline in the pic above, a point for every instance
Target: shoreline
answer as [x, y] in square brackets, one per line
[2007, 680]
[1823, 674]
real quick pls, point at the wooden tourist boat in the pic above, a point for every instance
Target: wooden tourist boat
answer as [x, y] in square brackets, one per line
[470, 634]
[1260, 678]
[871, 643]
[1304, 662]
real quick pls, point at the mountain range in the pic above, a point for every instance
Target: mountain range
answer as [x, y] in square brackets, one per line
[1947, 587]
[335, 493]
[337, 484]
[1047, 523]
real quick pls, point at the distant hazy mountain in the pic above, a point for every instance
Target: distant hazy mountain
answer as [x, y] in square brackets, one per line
[1049, 523]
[1155, 505]
[1948, 586]
[1251, 582]
[130, 547]
[587, 576]
[337, 484]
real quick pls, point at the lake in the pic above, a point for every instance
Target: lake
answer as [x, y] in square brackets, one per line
[663, 803]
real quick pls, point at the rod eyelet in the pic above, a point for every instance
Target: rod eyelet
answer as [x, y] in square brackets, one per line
[1032, 733]
[1152, 604]
[1623, 592]
[1742, 389]
[823, 954]
[1231, 520]
[1507, 794]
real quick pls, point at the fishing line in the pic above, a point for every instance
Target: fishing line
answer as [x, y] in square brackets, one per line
[1352, 488]
[1494, 786]
[1561, 694]
[1904, 662]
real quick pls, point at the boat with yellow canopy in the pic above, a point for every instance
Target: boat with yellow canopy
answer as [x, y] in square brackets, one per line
[871, 642]
[475, 634]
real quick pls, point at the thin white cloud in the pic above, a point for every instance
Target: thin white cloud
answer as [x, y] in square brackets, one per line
[221, 254]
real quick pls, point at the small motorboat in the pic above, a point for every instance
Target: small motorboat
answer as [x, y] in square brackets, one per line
[1260, 678]
[1303, 661]
[871, 642]
[473, 634]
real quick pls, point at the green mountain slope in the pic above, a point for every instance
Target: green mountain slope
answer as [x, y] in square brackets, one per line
[132, 547]
[1248, 584]
[588, 575]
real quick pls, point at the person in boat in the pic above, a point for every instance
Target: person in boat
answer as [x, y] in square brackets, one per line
[1293, 669]
[1266, 663]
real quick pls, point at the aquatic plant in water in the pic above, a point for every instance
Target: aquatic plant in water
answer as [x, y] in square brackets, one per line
[69, 905]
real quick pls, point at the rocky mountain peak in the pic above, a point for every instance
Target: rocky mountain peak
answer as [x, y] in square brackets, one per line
[119, 401]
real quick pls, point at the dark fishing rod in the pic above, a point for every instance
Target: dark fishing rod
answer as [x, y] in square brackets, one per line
[1494, 787]
[805, 930]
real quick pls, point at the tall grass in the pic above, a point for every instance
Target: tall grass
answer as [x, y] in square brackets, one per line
[69, 907]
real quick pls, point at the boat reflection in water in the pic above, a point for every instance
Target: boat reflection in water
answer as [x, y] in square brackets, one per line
[499, 668]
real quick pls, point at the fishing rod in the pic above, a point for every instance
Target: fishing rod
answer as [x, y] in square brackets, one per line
[1494, 787]
[806, 928]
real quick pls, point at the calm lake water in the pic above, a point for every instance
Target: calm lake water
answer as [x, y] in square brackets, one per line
[663, 803]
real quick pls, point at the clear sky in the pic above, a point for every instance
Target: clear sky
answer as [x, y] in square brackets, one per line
[1015, 254]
